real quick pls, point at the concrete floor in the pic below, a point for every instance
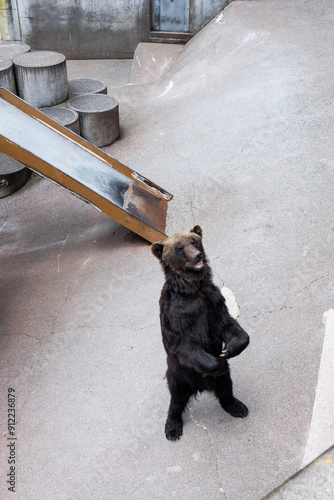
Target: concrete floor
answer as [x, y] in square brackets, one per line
[315, 482]
[240, 130]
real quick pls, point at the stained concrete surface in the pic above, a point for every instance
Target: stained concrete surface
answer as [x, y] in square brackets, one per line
[315, 482]
[240, 131]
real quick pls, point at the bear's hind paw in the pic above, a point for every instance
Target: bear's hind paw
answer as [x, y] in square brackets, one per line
[173, 429]
[236, 409]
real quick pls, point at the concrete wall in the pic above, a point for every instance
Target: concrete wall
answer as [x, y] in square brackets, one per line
[89, 29]
[85, 29]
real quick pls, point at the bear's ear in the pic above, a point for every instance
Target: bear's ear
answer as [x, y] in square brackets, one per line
[157, 249]
[197, 230]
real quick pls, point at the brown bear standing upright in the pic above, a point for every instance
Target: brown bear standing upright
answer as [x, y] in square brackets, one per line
[198, 333]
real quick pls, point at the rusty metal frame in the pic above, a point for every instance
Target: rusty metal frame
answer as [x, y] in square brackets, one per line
[143, 213]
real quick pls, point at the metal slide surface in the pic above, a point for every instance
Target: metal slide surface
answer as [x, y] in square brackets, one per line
[53, 151]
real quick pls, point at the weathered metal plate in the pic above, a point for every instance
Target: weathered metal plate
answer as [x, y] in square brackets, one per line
[171, 16]
[146, 206]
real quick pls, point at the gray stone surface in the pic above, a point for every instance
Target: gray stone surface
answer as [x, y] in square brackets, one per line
[11, 49]
[64, 116]
[41, 77]
[240, 131]
[13, 175]
[80, 86]
[8, 165]
[7, 77]
[98, 117]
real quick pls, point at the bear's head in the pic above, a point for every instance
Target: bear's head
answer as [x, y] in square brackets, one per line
[183, 254]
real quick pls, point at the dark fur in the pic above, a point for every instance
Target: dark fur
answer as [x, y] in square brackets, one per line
[198, 333]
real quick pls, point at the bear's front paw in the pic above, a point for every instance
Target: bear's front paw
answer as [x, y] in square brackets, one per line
[173, 429]
[232, 348]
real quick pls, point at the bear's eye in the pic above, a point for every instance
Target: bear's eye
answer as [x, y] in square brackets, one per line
[179, 250]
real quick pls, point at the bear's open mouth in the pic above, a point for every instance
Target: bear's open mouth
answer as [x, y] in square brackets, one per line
[199, 265]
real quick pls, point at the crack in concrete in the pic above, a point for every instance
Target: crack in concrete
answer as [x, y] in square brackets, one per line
[271, 311]
[280, 308]
[60, 309]
[311, 283]
[220, 486]
[262, 226]
[131, 327]
[40, 342]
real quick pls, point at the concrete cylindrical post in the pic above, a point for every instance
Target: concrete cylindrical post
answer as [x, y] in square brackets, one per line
[64, 116]
[13, 175]
[7, 77]
[99, 118]
[41, 78]
[80, 86]
[8, 50]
